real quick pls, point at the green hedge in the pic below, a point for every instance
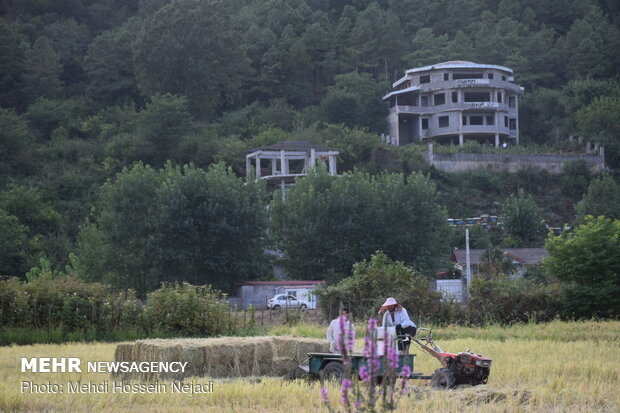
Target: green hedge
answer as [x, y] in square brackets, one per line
[57, 307]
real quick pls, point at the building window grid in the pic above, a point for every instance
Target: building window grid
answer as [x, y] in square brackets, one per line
[443, 121]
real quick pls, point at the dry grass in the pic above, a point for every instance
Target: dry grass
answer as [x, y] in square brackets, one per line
[550, 374]
[221, 357]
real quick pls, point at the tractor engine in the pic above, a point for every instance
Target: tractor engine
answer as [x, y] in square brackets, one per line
[469, 368]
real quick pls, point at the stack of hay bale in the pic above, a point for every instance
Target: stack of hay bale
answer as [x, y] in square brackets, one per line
[221, 357]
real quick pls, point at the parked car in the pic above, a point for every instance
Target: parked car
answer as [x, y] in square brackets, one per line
[286, 301]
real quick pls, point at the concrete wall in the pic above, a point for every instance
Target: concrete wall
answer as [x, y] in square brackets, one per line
[461, 162]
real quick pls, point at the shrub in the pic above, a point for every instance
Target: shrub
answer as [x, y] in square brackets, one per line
[375, 280]
[501, 300]
[187, 309]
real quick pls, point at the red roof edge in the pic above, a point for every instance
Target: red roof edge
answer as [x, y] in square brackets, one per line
[292, 282]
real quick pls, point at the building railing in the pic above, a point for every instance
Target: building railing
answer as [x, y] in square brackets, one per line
[467, 83]
[427, 110]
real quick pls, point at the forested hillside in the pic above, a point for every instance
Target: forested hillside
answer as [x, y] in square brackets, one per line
[90, 87]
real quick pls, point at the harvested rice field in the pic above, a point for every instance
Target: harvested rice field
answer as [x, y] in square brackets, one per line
[554, 367]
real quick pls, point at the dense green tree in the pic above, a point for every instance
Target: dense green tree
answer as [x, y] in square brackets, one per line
[175, 224]
[602, 198]
[161, 125]
[126, 213]
[70, 40]
[210, 227]
[110, 67]
[15, 157]
[12, 245]
[190, 48]
[588, 259]
[324, 224]
[42, 70]
[522, 217]
[353, 101]
[11, 64]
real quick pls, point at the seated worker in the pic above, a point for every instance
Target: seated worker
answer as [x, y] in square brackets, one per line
[396, 316]
[333, 332]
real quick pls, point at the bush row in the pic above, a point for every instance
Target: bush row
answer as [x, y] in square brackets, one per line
[496, 300]
[65, 304]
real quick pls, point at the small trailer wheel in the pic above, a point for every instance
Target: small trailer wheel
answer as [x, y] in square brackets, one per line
[332, 371]
[443, 379]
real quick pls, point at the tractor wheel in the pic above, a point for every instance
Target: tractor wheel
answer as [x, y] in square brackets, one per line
[303, 307]
[443, 379]
[332, 371]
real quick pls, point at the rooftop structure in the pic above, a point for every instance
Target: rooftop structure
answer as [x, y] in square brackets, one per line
[453, 101]
[281, 163]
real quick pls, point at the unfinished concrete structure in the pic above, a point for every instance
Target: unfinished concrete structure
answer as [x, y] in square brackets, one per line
[281, 163]
[453, 101]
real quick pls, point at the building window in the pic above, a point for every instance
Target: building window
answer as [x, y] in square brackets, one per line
[444, 121]
[457, 76]
[490, 75]
[424, 123]
[455, 97]
[503, 77]
[499, 97]
[425, 79]
[424, 101]
[464, 120]
[475, 120]
[446, 76]
[513, 124]
[490, 119]
[439, 99]
[505, 121]
[477, 97]
[512, 101]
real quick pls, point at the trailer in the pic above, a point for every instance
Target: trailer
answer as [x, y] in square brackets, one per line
[330, 366]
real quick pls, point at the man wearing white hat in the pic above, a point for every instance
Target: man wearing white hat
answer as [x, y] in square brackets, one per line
[396, 316]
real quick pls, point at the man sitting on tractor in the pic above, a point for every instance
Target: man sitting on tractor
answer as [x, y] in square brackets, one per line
[396, 316]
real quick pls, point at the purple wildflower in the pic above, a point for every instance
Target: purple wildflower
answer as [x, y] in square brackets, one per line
[372, 324]
[358, 404]
[324, 395]
[364, 374]
[405, 374]
[351, 339]
[392, 355]
[346, 385]
[367, 346]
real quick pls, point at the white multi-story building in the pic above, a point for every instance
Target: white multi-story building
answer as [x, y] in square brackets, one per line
[453, 101]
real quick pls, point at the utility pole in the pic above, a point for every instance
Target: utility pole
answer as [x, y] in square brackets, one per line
[467, 263]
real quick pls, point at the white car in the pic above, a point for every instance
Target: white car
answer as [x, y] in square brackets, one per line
[286, 301]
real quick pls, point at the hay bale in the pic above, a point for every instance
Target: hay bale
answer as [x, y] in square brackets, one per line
[284, 367]
[298, 348]
[220, 357]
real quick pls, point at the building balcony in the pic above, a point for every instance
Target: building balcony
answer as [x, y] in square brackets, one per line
[425, 110]
[470, 83]
[466, 130]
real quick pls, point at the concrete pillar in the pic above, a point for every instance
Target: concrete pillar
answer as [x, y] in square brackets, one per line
[420, 131]
[248, 164]
[257, 166]
[430, 153]
[283, 164]
[274, 167]
[497, 140]
[517, 116]
[332, 165]
[461, 139]
[312, 158]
